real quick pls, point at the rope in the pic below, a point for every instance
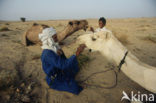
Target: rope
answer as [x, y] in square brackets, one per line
[115, 73]
[98, 86]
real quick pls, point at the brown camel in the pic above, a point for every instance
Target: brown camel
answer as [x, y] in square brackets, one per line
[31, 35]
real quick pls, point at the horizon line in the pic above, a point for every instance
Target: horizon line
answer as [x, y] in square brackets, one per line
[74, 19]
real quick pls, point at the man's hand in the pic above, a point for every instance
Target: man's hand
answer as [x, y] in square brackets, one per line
[92, 29]
[59, 51]
[80, 49]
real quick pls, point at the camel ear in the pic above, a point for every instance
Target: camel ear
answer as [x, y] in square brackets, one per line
[70, 23]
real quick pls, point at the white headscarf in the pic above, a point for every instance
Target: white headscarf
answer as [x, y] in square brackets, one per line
[47, 40]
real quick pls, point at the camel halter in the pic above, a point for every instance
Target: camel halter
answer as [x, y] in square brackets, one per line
[111, 69]
[122, 61]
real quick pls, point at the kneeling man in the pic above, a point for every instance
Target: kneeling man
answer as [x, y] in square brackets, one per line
[60, 70]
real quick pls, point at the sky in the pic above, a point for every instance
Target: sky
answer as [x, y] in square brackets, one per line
[75, 9]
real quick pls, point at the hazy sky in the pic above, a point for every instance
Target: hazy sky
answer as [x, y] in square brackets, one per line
[75, 9]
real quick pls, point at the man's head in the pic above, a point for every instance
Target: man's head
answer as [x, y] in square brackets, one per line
[48, 33]
[102, 22]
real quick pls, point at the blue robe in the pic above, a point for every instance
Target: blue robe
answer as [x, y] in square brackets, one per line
[60, 71]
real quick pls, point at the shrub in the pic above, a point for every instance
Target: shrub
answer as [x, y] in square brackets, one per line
[82, 60]
[4, 29]
[150, 38]
[23, 19]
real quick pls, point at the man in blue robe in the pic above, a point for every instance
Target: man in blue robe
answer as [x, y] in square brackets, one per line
[60, 70]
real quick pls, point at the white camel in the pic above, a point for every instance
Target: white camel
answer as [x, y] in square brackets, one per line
[110, 47]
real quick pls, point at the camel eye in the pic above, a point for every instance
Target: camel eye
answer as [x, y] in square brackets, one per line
[93, 38]
[78, 22]
[70, 23]
[90, 50]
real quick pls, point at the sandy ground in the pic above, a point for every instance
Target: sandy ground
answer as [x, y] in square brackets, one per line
[138, 35]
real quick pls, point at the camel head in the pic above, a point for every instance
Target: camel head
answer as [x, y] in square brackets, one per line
[78, 24]
[72, 27]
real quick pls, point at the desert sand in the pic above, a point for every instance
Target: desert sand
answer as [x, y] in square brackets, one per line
[26, 79]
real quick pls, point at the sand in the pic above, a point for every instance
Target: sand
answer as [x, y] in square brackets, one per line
[137, 34]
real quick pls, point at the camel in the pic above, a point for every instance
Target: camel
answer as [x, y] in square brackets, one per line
[110, 47]
[31, 35]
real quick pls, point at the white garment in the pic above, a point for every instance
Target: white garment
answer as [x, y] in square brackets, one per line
[102, 29]
[47, 40]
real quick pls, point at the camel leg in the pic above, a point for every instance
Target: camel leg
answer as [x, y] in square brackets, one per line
[24, 39]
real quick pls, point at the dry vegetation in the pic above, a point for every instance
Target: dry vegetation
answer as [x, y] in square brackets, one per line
[4, 29]
[151, 38]
[82, 60]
